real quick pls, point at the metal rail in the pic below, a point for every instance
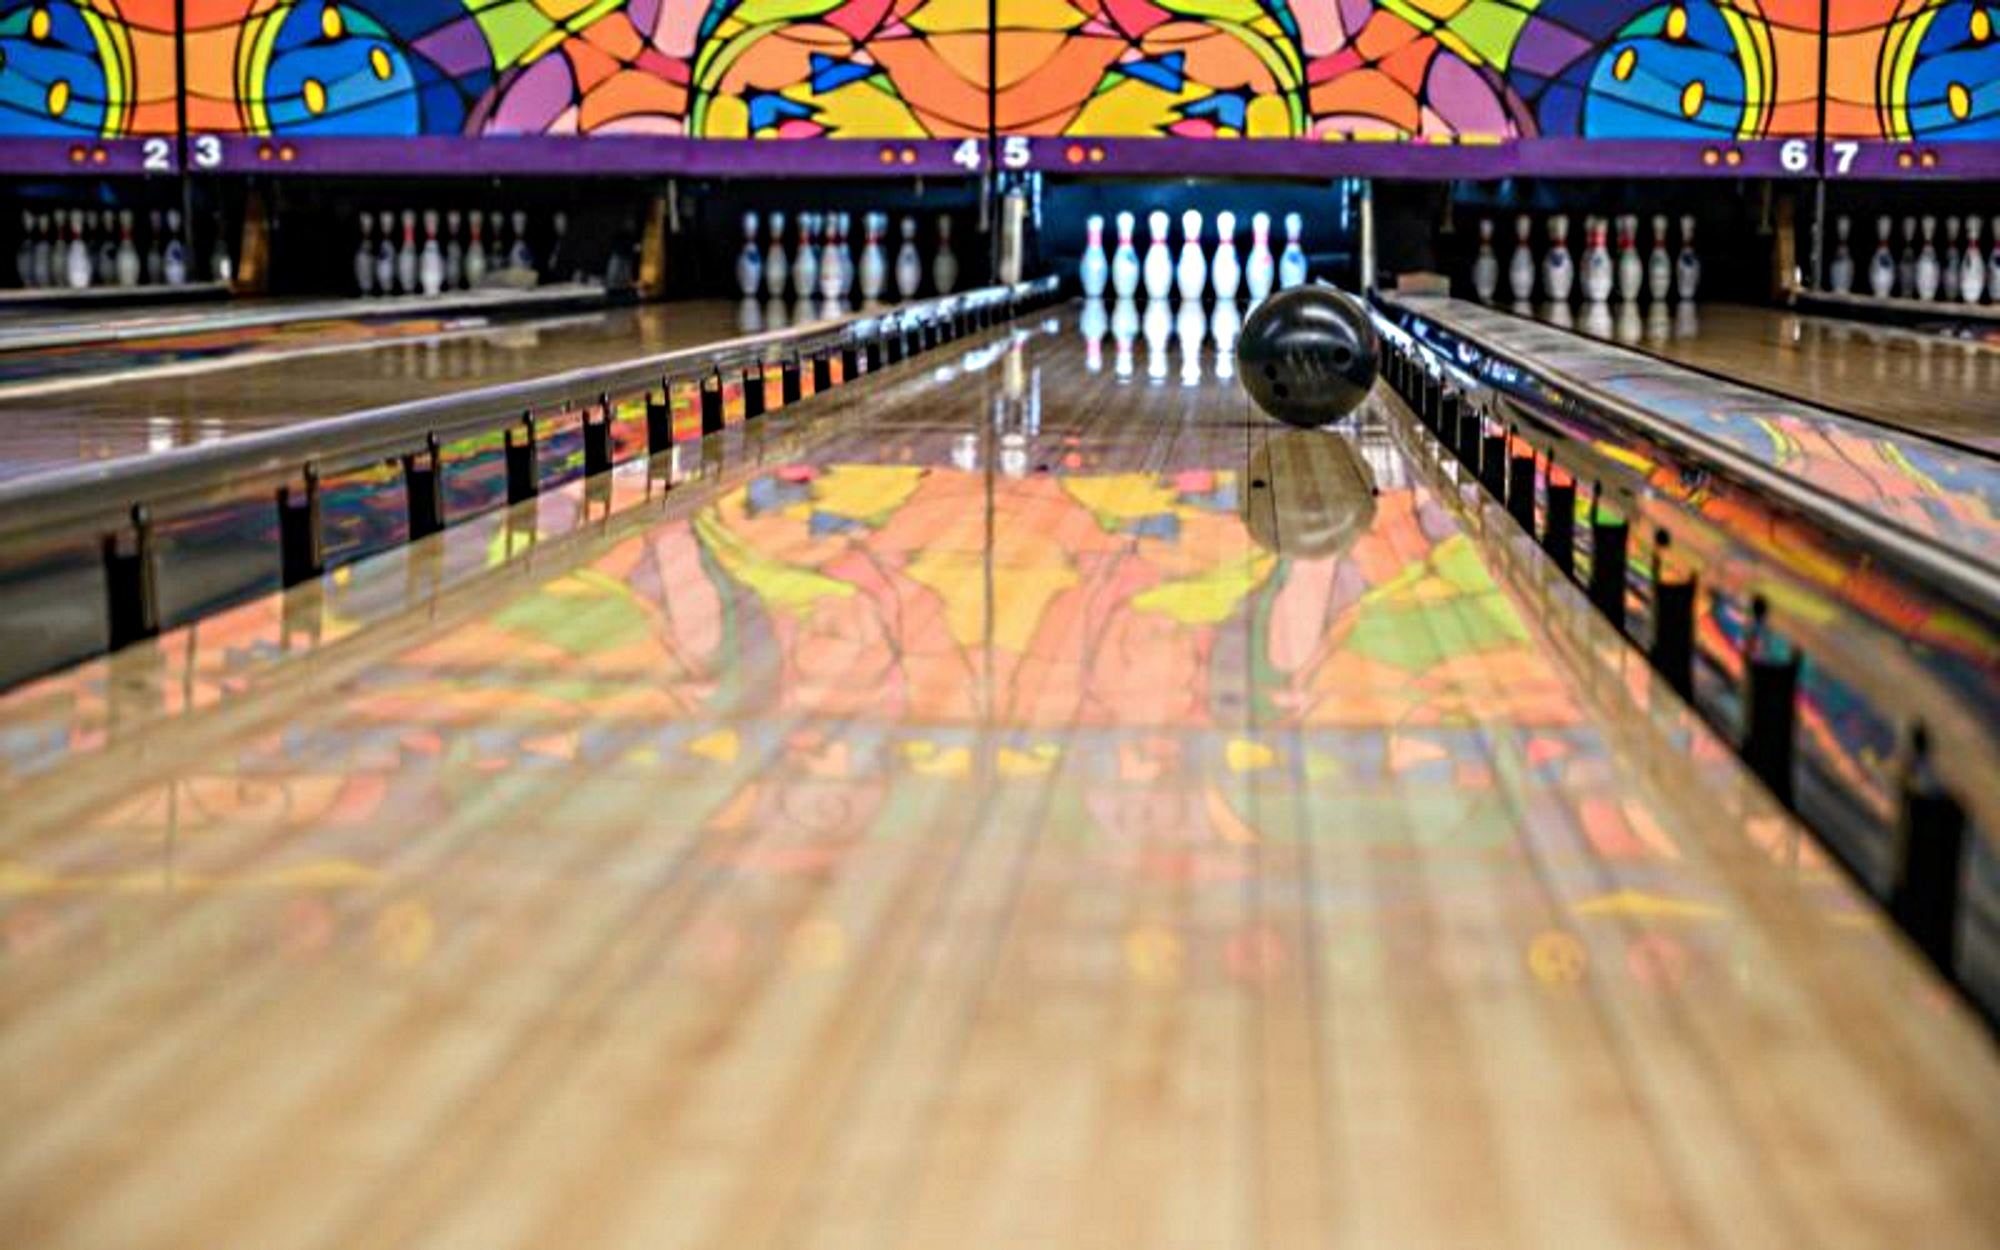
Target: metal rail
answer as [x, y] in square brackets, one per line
[87, 498]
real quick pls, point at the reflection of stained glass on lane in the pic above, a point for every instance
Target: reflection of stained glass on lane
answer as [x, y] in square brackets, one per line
[1000, 743]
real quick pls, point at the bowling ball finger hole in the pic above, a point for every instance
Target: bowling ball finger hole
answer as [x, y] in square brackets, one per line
[1342, 357]
[1271, 372]
[1281, 390]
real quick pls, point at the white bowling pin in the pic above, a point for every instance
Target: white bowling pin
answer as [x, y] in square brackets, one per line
[944, 265]
[175, 266]
[1906, 264]
[406, 256]
[1093, 270]
[1927, 261]
[1521, 265]
[221, 260]
[454, 252]
[128, 252]
[1948, 261]
[909, 265]
[1971, 265]
[1840, 274]
[364, 257]
[1993, 264]
[1260, 270]
[1599, 273]
[805, 258]
[749, 261]
[1226, 273]
[1558, 272]
[1191, 270]
[849, 271]
[475, 252]
[1159, 266]
[1631, 270]
[104, 262]
[777, 265]
[430, 263]
[77, 268]
[1882, 265]
[521, 257]
[832, 269]
[1125, 260]
[561, 265]
[496, 244]
[874, 261]
[385, 255]
[24, 255]
[1660, 262]
[1485, 266]
[1292, 261]
[1687, 266]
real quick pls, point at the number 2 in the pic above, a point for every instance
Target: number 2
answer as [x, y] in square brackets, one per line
[158, 155]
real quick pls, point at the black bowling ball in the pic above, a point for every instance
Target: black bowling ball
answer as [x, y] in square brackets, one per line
[1307, 355]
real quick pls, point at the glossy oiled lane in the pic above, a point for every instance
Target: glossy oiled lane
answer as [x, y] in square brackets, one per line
[324, 371]
[1017, 809]
[1902, 378]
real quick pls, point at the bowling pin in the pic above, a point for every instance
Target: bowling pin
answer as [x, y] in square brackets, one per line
[1485, 266]
[1159, 266]
[364, 257]
[1840, 274]
[749, 261]
[1558, 273]
[1125, 260]
[944, 265]
[1260, 270]
[1227, 271]
[454, 252]
[1993, 264]
[128, 252]
[521, 257]
[1631, 270]
[805, 258]
[1971, 265]
[777, 265]
[24, 255]
[1687, 266]
[430, 263]
[104, 262]
[909, 264]
[1292, 261]
[1906, 264]
[406, 256]
[475, 253]
[1660, 262]
[842, 233]
[76, 261]
[1927, 261]
[874, 262]
[1882, 265]
[1093, 271]
[1191, 270]
[1521, 265]
[175, 266]
[832, 271]
[385, 255]
[1599, 274]
[221, 261]
[561, 265]
[1948, 261]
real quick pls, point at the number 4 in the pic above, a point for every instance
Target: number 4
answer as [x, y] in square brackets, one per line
[967, 155]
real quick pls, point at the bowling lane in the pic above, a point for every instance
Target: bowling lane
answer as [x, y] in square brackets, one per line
[1905, 379]
[343, 369]
[1025, 799]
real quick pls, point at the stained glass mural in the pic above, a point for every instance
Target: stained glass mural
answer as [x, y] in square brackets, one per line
[1476, 71]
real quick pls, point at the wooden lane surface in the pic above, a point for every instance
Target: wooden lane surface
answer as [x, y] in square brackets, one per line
[1912, 381]
[326, 375]
[1029, 810]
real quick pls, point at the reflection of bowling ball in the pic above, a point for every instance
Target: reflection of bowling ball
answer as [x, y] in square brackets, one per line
[1307, 355]
[1307, 495]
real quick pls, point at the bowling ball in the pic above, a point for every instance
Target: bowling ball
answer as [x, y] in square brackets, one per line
[1307, 355]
